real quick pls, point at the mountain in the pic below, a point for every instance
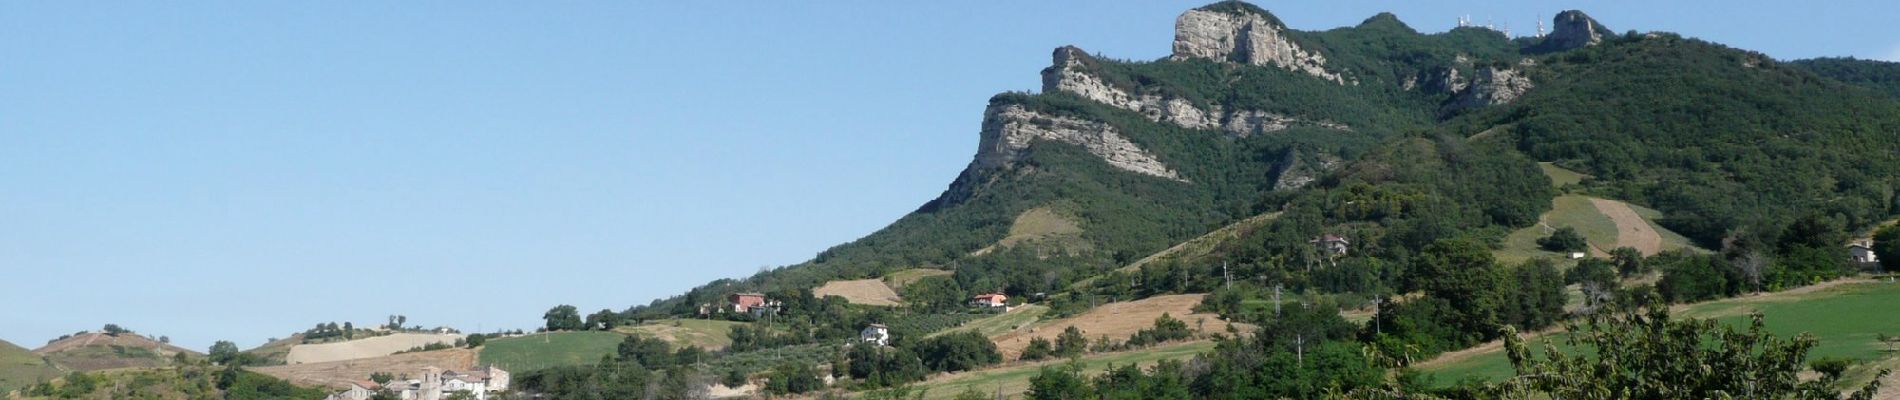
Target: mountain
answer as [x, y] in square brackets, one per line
[1385, 135]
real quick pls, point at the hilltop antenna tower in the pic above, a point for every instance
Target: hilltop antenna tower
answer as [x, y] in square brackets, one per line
[1540, 28]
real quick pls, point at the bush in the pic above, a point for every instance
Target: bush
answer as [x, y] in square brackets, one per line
[961, 351]
[1038, 349]
[1564, 240]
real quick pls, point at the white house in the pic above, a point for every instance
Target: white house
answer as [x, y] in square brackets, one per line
[876, 333]
[1330, 244]
[436, 384]
[1862, 253]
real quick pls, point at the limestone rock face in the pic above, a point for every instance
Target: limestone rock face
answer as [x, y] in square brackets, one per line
[1008, 130]
[1244, 36]
[1070, 73]
[1492, 86]
[1572, 30]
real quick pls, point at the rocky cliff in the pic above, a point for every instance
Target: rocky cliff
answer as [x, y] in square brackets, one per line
[1572, 30]
[1071, 73]
[1492, 86]
[1239, 32]
[1008, 130]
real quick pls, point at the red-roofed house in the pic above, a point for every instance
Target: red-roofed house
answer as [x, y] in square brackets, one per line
[1330, 244]
[990, 300]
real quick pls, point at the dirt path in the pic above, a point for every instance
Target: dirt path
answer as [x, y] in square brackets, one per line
[1631, 229]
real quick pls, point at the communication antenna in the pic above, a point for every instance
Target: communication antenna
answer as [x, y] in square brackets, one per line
[1540, 28]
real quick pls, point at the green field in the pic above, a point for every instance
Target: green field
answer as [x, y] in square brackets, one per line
[1005, 322]
[544, 350]
[1576, 211]
[1560, 176]
[20, 367]
[1014, 379]
[708, 334]
[1844, 319]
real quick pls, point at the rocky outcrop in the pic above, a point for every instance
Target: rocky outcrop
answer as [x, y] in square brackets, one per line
[1492, 86]
[1070, 73]
[1573, 30]
[1241, 33]
[1008, 130]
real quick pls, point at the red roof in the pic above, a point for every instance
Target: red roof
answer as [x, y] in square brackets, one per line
[990, 296]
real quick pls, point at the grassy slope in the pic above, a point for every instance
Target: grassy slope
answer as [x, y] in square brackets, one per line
[544, 350]
[1845, 320]
[901, 278]
[20, 367]
[997, 324]
[1576, 211]
[1041, 226]
[708, 334]
[1204, 244]
[1014, 379]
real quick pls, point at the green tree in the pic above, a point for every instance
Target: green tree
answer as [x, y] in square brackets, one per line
[1462, 272]
[602, 320]
[1071, 343]
[1564, 240]
[1060, 383]
[651, 353]
[222, 352]
[563, 318]
[1887, 244]
[1037, 349]
[1628, 261]
[961, 351]
[1595, 278]
[1649, 355]
[476, 340]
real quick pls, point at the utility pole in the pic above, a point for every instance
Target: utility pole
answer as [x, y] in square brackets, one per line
[1225, 274]
[1276, 300]
[1299, 349]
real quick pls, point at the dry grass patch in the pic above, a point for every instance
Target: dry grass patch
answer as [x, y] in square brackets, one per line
[364, 348]
[338, 374]
[862, 291]
[1117, 320]
[1044, 226]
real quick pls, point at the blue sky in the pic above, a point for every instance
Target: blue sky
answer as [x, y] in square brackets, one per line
[245, 170]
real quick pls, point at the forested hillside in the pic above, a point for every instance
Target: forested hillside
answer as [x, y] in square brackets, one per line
[1377, 169]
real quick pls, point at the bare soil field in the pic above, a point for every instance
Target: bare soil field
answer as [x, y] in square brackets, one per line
[1117, 320]
[1631, 229]
[863, 291]
[363, 348]
[338, 374]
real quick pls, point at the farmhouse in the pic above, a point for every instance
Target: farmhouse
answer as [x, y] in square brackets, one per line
[876, 333]
[1862, 254]
[990, 300]
[1330, 244]
[752, 303]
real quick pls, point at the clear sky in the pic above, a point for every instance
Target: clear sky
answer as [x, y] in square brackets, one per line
[244, 170]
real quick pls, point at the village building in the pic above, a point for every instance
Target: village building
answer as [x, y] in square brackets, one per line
[359, 390]
[435, 384]
[1862, 254]
[1330, 244]
[991, 300]
[876, 333]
